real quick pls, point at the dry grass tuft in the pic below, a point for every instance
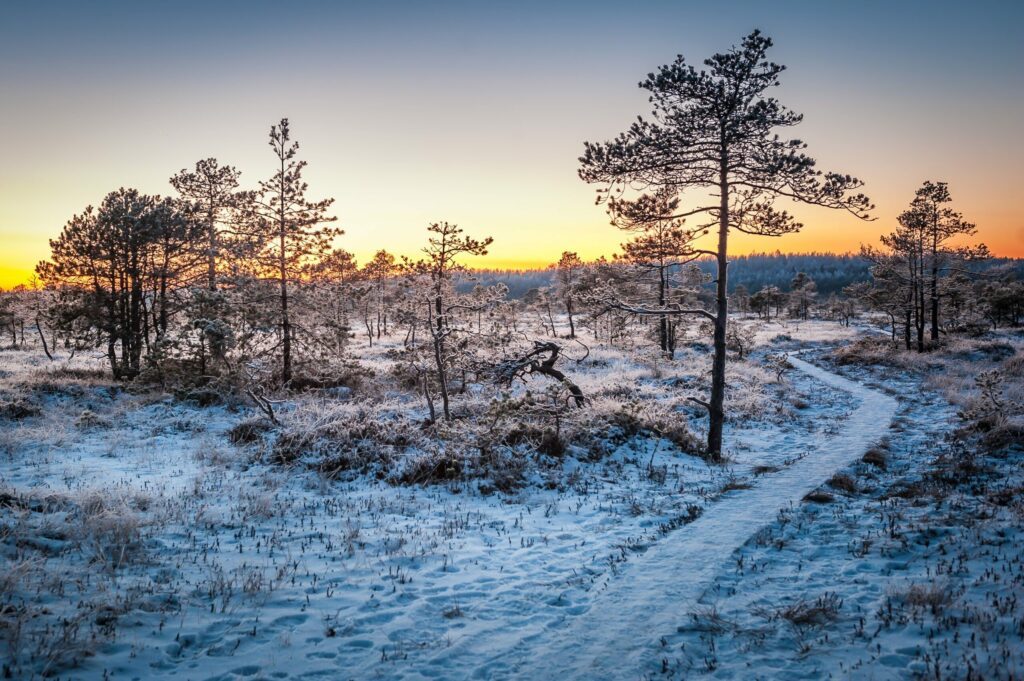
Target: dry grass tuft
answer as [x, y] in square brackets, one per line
[249, 431]
[733, 483]
[819, 496]
[843, 482]
[18, 409]
[110, 528]
[876, 457]
[818, 612]
[935, 595]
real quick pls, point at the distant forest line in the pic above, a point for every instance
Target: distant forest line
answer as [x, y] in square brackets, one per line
[831, 272]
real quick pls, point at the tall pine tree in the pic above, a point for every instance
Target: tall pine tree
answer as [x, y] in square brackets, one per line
[715, 130]
[293, 230]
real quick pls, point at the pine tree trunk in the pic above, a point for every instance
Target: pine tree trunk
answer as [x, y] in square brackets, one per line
[286, 327]
[935, 290]
[716, 406]
[42, 337]
[919, 318]
[442, 375]
[430, 400]
[211, 253]
[135, 328]
[163, 319]
[919, 314]
[112, 358]
[663, 320]
[906, 330]
[202, 354]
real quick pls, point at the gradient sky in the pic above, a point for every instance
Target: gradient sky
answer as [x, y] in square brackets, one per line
[476, 112]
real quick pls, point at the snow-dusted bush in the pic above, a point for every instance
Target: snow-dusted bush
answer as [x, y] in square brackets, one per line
[90, 420]
[18, 409]
[611, 421]
[335, 378]
[428, 467]
[933, 596]
[249, 430]
[110, 528]
[994, 412]
[866, 351]
[341, 440]
[814, 612]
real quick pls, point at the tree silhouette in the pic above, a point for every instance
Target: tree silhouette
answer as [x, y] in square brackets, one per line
[213, 189]
[568, 271]
[802, 292]
[378, 271]
[662, 245]
[936, 223]
[115, 266]
[919, 257]
[446, 243]
[714, 130]
[291, 228]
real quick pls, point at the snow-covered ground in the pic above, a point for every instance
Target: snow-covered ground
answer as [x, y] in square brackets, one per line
[646, 596]
[141, 544]
[913, 569]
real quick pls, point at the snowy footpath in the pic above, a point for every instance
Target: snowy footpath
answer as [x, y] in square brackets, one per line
[617, 637]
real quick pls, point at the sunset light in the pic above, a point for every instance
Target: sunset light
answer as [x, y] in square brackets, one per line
[511, 340]
[477, 113]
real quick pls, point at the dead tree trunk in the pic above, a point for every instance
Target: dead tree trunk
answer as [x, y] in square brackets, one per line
[42, 337]
[531, 363]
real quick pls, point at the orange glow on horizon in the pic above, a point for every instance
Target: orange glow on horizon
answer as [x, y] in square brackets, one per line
[477, 114]
[530, 237]
[840, 235]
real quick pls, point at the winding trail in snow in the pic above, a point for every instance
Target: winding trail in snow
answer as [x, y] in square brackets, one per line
[617, 637]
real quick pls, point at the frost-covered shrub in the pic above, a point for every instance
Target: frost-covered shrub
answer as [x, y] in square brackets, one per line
[740, 339]
[346, 440]
[339, 439]
[350, 377]
[90, 420]
[934, 596]
[543, 440]
[819, 496]
[1014, 366]
[532, 423]
[993, 412]
[500, 444]
[404, 375]
[618, 422]
[876, 457]
[205, 396]
[256, 505]
[504, 468]
[434, 466]
[749, 396]
[866, 351]
[18, 409]
[110, 529]
[843, 482]
[250, 430]
[62, 375]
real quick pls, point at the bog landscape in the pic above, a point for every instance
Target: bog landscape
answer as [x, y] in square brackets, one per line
[245, 436]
